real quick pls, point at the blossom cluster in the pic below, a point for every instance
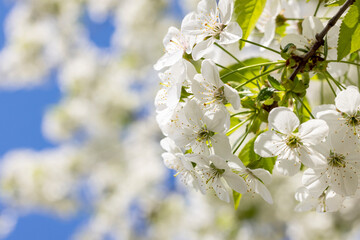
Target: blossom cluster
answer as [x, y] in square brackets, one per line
[202, 107]
[191, 107]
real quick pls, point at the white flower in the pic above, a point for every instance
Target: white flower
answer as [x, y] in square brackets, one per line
[289, 146]
[210, 91]
[344, 117]
[267, 21]
[176, 45]
[168, 97]
[339, 171]
[255, 180]
[219, 176]
[327, 201]
[211, 24]
[199, 132]
[176, 160]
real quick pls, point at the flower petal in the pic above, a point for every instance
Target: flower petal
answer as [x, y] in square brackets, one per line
[202, 48]
[311, 26]
[268, 144]
[344, 181]
[220, 190]
[313, 131]
[262, 174]
[236, 182]
[220, 143]
[226, 8]
[232, 33]
[262, 190]
[232, 96]
[348, 101]
[287, 167]
[283, 120]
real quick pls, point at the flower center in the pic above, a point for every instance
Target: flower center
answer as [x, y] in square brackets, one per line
[293, 142]
[204, 134]
[353, 120]
[336, 159]
[220, 95]
[215, 28]
[216, 171]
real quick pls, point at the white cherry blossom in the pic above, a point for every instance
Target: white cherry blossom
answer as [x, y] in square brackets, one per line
[176, 160]
[199, 132]
[176, 45]
[211, 24]
[344, 116]
[210, 91]
[327, 201]
[168, 97]
[339, 171]
[255, 180]
[291, 147]
[219, 176]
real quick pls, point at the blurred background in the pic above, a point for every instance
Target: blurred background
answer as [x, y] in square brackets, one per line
[79, 151]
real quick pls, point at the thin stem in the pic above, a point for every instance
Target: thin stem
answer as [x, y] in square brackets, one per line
[358, 72]
[317, 7]
[332, 89]
[320, 38]
[322, 92]
[236, 127]
[244, 135]
[240, 113]
[348, 62]
[302, 103]
[251, 66]
[229, 53]
[259, 45]
[263, 74]
[301, 19]
[229, 69]
[337, 83]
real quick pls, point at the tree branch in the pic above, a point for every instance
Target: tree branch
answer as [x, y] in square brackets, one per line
[320, 38]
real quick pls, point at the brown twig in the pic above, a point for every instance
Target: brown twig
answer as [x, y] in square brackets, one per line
[320, 38]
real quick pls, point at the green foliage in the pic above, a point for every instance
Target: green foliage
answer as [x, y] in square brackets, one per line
[265, 94]
[246, 13]
[350, 32]
[252, 160]
[245, 74]
[275, 83]
[237, 198]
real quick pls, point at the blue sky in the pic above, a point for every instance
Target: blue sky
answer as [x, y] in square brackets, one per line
[20, 127]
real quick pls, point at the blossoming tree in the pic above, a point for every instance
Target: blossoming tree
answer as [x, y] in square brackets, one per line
[238, 103]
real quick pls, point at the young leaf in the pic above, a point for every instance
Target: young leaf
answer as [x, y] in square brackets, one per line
[237, 198]
[275, 83]
[349, 32]
[246, 13]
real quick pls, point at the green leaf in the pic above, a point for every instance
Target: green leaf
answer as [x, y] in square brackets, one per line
[331, 3]
[275, 83]
[350, 32]
[237, 198]
[246, 13]
[265, 94]
[248, 73]
[252, 160]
